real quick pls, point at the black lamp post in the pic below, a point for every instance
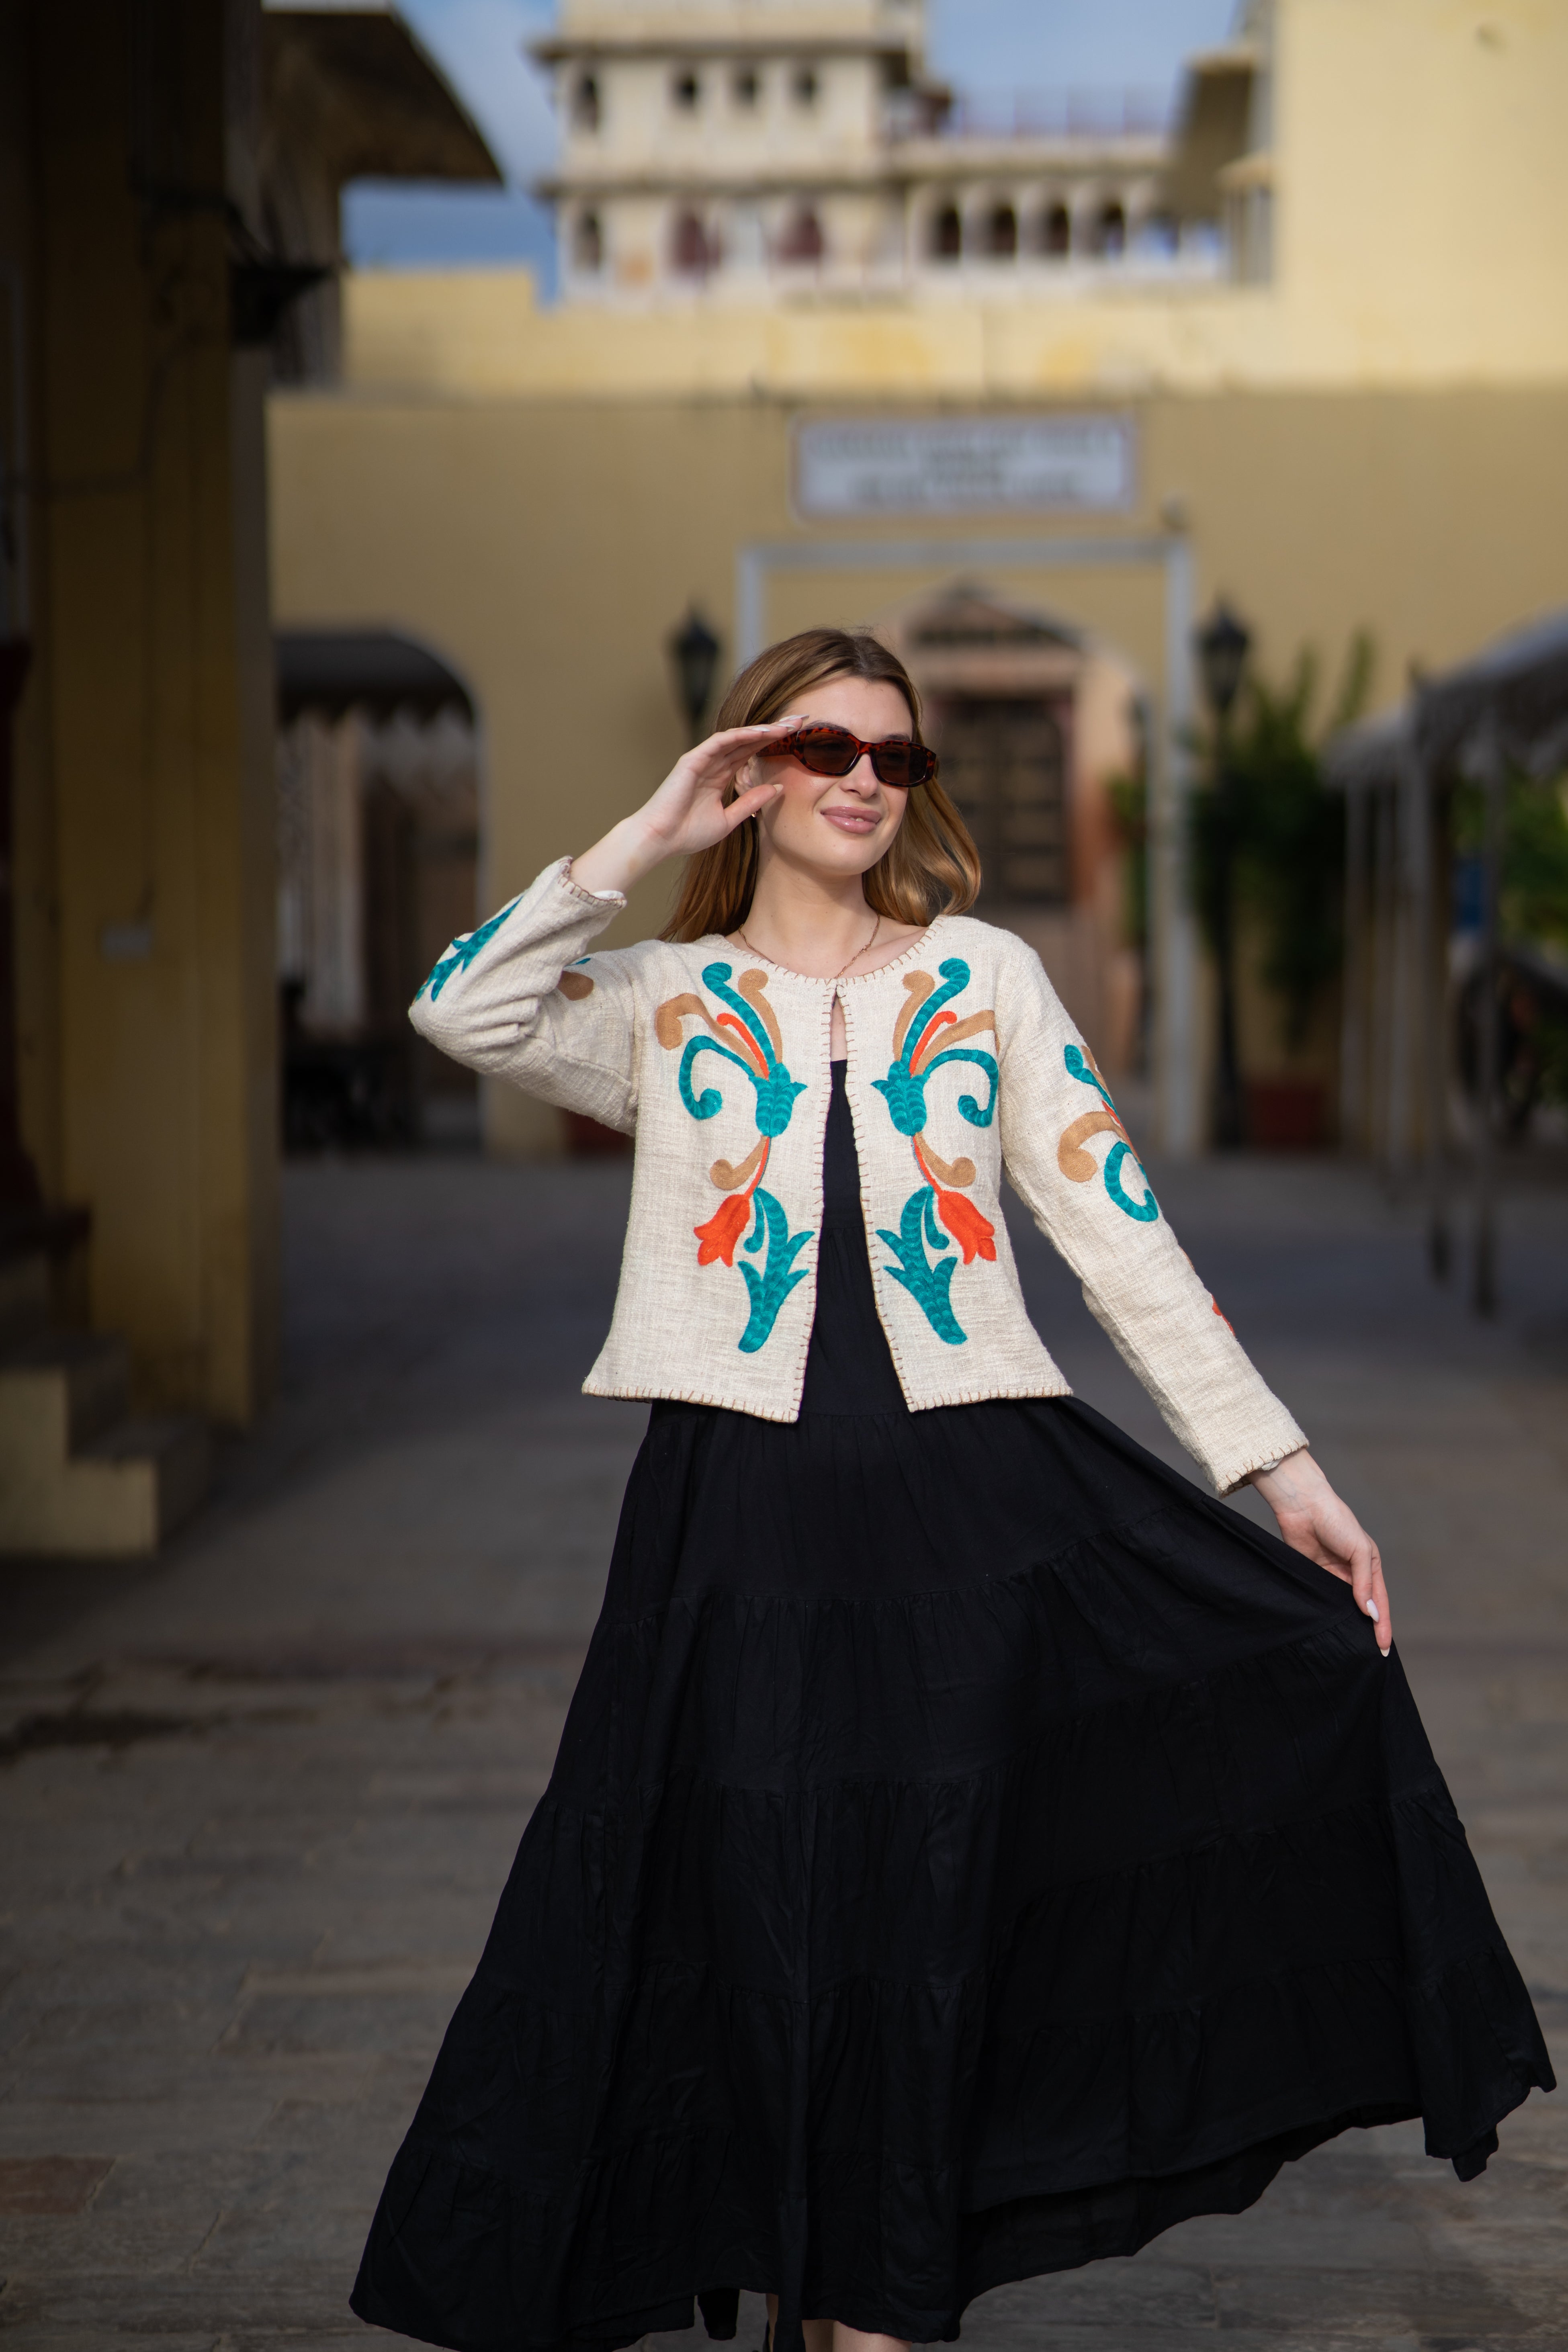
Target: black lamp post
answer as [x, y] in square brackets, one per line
[694, 650]
[1223, 644]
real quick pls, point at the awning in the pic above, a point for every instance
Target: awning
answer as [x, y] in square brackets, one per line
[1511, 697]
[1504, 711]
[330, 671]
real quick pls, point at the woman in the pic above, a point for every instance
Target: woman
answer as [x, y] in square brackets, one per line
[971, 1849]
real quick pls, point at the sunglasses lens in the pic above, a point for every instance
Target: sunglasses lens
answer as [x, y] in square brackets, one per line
[902, 764]
[825, 751]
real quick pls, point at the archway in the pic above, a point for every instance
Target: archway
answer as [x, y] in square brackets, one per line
[803, 243]
[378, 839]
[1002, 233]
[1056, 232]
[947, 234]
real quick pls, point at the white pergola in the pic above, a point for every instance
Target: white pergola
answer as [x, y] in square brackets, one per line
[1505, 710]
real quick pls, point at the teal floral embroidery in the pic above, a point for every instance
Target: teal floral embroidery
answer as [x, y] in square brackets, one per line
[776, 1090]
[1080, 1166]
[746, 1034]
[461, 954]
[939, 1200]
[771, 1287]
[905, 1084]
[927, 1280]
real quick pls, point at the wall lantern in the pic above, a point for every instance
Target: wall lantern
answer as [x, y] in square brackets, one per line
[1224, 643]
[694, 650]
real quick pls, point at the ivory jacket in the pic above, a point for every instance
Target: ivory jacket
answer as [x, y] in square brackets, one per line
[962, 1063]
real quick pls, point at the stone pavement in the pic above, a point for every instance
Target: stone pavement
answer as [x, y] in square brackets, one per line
[258, 1799]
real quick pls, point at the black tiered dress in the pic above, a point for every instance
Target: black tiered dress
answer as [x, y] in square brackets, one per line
[971, 1851]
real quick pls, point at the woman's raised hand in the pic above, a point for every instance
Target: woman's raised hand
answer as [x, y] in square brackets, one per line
[1314, 1521]
[688, 812]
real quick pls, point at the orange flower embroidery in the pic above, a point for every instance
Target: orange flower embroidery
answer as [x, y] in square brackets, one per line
[976, 1234]
[720, 1235]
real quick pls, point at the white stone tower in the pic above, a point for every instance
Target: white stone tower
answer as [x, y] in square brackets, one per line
[772, 150]
[729, 146]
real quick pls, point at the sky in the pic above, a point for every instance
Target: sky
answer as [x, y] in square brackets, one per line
[984, 48]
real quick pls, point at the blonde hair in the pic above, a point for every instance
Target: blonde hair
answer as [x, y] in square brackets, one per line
[931, 867]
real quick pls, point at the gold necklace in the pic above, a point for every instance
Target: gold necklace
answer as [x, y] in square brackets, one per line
[843, 968]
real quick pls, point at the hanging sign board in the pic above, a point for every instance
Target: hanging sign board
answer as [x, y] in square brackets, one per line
[962, 466]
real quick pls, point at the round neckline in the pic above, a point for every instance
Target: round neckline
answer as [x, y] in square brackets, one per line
[820, 980]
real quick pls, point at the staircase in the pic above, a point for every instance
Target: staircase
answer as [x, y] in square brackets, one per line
[77, 1474]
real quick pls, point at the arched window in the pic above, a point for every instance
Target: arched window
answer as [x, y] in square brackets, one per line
[692, 251]
[946, 234]
[1110, 230]
[803, 240]
[1056, 232]
[805, 86]
[585, 102]
[1002, 233]
[588, 243]
[686, 90]
[746, 86]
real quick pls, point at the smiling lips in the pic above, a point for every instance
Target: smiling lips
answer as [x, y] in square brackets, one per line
[853, 820]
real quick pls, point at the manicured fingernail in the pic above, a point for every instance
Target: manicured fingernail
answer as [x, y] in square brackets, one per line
[1372, 1610]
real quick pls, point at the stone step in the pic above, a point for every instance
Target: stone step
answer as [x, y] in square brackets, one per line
[76, 1474]
[118, 1497]
[60, 1390]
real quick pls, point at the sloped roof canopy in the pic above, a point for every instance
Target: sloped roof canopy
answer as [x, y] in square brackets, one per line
[381, 107]
[330, 671]
[1518, 687]
[968, 615]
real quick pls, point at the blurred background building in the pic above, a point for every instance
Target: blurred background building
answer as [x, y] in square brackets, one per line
[727, 152]
[1283, 351]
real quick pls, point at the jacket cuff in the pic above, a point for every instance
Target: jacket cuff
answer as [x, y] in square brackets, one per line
[1266, 1455]
[589, 898]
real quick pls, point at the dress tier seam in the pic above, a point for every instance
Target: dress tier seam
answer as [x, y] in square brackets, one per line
[1047, 1564]
[823, 1788]
[1415, 1986]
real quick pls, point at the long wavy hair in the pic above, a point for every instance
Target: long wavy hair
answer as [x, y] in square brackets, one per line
[931, 867]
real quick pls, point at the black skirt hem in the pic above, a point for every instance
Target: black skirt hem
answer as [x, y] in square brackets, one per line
[1026, 2235]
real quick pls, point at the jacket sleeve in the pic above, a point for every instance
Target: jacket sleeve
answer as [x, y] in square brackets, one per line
[1068, 1154]
[520, 998]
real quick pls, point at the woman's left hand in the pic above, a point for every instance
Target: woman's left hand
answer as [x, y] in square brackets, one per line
[1313, 1521]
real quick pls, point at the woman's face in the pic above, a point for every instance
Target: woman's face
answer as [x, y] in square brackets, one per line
[838, 826]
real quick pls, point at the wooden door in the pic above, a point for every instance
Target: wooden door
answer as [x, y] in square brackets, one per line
[1005, 762]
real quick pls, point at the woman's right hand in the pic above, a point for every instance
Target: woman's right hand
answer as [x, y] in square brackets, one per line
[689, 810]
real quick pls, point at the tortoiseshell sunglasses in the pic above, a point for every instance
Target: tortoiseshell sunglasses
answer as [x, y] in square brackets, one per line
[828, 750]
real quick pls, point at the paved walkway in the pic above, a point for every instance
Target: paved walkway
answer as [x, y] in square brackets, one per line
[259, 1797]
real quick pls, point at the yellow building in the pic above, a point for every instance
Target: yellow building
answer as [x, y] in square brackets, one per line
[1358, 420]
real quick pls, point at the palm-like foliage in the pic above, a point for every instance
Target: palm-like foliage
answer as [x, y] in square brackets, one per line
[1268, 834]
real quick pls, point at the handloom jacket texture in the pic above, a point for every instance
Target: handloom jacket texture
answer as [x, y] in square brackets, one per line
[962, 1063]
